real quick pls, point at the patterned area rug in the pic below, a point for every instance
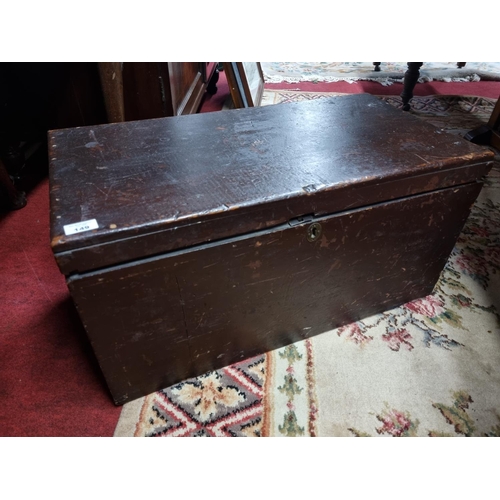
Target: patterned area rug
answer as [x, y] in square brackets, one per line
[390, 72]
[428, 368]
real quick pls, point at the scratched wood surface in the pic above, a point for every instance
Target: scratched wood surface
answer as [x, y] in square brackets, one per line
[153, 184]
[158, 321]
[204, 253]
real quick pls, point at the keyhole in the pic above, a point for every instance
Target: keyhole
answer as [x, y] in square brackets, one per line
[313, 232]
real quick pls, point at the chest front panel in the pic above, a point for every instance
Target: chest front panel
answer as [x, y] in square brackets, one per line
[157, 321]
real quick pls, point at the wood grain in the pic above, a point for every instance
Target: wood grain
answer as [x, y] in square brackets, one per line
[158, 321]
[225, 235]
[266, 165]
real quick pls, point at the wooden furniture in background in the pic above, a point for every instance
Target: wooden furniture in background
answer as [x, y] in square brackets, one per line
[410, 80]
[112, 90]
[38, 97]
[34, 98]
[488, 134]
[144, 90]
[246, 83]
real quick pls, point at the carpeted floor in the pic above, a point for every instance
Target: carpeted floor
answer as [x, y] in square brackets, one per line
[389, 72]
[50, 384]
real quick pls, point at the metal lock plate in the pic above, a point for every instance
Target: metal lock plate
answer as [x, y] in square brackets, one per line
[314, 232]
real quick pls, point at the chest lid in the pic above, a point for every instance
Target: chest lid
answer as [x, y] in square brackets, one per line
[145, 187]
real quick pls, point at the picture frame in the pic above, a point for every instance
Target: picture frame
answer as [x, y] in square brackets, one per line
[246, 83]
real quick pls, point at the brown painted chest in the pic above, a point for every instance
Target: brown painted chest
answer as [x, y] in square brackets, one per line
[190, 243]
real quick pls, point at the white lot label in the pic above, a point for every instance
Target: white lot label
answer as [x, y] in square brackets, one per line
[80, 227]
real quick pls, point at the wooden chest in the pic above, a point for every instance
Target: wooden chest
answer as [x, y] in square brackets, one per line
[190, 243]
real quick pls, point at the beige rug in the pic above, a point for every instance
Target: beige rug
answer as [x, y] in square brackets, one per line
[427, 368]
[390, 72]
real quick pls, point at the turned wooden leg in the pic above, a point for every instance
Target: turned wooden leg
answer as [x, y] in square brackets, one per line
[377, 66]
[10, 197]
[410, 80]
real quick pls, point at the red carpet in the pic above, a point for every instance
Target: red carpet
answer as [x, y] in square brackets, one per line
[483, 88]
[50, 384]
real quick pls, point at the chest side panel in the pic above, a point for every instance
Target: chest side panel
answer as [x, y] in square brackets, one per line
[162, 320]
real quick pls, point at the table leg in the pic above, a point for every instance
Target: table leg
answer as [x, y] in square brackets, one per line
[410, 80]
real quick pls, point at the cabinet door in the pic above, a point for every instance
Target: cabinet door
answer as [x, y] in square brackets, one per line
[156, 90]
[186, 86]
[146, 91]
